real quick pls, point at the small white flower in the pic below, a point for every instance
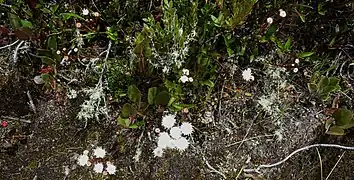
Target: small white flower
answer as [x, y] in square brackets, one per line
[78, 25]
[296, 70]
[86, 152]
[182, 143]
[157, 130]
[99, 152]
[158, 152]
[297, 61]
[185, 72]
[175, 132]
[165, 69]
[190, 79]
[186, 128]
[247, 75]
[183, 79]
[96, 14]
[282, 13]
[64, 49]
[269, 20]
[98, 168]
[76, 49]
[111, 169]
[72, 94]
[293, 65]
[82, 160]
[164, 140]
[58, 52]
[168, 121]
[85, 12]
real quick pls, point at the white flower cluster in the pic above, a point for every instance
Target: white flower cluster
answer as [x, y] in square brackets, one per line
[184, 78]
[175, 138]
[247, 75]
[83, 160]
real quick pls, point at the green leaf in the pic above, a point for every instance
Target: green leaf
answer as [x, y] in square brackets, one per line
[67, 16]
[26, 24]
[128, 111]
[125, 122]
[302, 17]
[343, 118]
[305, 54]
[312, 87]
[54, 8]
[333, 81]
[14, 20]
[288, 44]
[134, 94]
[208, 83]
[152, 95]
[271, 30]
[335, 130]
[52, 43]
[162, 98]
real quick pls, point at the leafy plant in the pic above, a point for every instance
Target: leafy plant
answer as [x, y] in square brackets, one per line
[342, 120]
[324, 86]
[136, 109]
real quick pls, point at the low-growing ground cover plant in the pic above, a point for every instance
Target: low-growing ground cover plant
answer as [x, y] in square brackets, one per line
[166, 77]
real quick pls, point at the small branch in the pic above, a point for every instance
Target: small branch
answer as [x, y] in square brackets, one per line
[5, 5]
[213, 169]
[9, 45]
[319, 156]
[248, 139]
[15, 119]
[296, 151]
[335, 165]
[31, 104]
[16, 51]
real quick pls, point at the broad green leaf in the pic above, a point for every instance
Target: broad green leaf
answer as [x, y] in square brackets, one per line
[162, 98]
[125, 122]
[305, 54]
[52, 43]
[271, 30]
[335, 130]
[128, 111]
[134, 94]
[333, 81]
[67, 16]
[14, 21]
[152, 95]
[25, 23]
[288, 44]
[312, 87]
[343, 118]
[208, 83]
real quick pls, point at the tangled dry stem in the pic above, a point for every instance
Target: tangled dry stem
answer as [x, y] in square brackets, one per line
[257, 170]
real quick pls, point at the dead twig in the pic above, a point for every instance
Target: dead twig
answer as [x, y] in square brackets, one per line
[296, 151]
[15, 119]
[248, 139]
[335, 165]
[31, 104]
[16, 51]
[213, 169]
[319, 156]
[9, 45]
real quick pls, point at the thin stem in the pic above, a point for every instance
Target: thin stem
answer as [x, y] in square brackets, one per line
[9, 45]
[296, 151]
